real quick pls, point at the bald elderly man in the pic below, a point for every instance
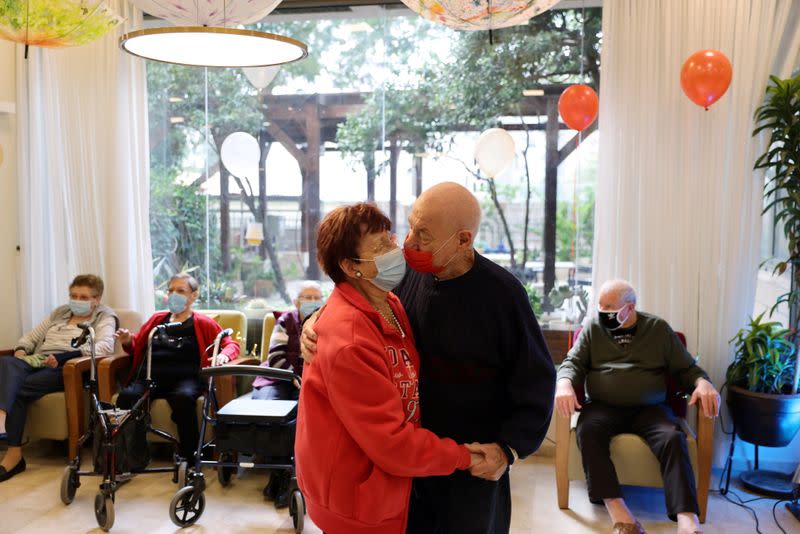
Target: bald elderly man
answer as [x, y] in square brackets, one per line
[486, 375]
[623, 356]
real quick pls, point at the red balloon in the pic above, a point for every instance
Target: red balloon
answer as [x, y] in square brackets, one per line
[578, 106]
[705, 77]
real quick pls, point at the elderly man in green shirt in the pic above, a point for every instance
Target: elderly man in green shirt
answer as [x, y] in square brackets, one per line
[623, 356]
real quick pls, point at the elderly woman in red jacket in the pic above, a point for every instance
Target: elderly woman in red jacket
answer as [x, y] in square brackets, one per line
[178, 354]
[358, 441]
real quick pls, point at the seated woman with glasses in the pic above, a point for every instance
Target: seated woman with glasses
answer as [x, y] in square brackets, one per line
[178, 355]
[36, 367]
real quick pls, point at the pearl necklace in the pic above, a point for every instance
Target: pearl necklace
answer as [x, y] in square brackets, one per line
[392, 321]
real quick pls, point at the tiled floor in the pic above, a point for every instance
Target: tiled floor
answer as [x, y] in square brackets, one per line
[30, 504]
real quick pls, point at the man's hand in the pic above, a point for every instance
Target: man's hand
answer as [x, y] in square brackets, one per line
[475, 458]
[308, 338]
[51, 361]
[706, 396]
[495, 461]
[566, 400]
[124, 336]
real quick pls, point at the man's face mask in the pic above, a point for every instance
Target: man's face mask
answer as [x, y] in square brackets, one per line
[422, 260]
[613, 319]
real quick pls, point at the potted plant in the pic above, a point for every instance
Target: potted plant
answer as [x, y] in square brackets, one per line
[760, 381]
[763, 378]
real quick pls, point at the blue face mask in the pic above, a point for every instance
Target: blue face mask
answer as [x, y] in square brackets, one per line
[176, 303]
[80, 308]
[391, 269]
[307, 307]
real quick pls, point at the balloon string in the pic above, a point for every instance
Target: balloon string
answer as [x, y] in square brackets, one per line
[583, 31]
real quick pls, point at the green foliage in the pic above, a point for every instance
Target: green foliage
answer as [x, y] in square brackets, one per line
[780, 116]
[764, 360]
[178, 228]
[567, 233]
[535, 298]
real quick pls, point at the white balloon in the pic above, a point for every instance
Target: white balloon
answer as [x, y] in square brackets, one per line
[260, 77]
[494, 151]
[240, 154]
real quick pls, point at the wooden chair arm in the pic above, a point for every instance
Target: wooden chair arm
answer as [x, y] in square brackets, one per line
[226, 385]
[74, 398]
[562, 459]
[7, 352]
[107, 371]
[705, 448]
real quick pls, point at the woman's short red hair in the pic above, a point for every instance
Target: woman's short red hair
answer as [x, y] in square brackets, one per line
[340, 233]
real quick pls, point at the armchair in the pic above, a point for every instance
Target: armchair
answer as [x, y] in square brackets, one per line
[62, 415]
[634, 462]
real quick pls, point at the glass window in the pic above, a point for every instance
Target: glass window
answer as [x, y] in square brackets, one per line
[386, 105]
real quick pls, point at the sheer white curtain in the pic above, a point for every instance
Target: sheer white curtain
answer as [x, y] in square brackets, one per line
[678, 204]
[83, 170]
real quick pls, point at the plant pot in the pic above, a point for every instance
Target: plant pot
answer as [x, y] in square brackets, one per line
[764, 419]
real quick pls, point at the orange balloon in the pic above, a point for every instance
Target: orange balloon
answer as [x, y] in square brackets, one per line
[705, 77]
[578, 105]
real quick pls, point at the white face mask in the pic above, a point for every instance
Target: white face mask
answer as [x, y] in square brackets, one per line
[391, 269]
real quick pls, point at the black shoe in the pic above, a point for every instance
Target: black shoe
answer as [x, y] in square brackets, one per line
[270, 491]
[282, 500]
[17, 469]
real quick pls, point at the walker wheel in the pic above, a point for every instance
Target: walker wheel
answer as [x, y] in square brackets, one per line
[297, 509]
[69, 483]
[104, 511]
[186, 507]
[224, 474]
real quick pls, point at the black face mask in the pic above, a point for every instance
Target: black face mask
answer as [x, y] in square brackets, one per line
[610, 319]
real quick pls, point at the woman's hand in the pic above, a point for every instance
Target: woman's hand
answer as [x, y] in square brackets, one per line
[124, 336]
[19, 353]
[51, 362]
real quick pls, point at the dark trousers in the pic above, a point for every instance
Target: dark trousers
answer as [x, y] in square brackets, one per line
[182, 398]
[659, 427]
[460, 504]
[21, 384]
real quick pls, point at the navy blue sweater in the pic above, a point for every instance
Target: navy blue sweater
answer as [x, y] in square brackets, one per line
[486, 374]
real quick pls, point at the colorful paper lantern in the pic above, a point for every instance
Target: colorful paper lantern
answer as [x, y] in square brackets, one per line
[56, 23]
[479, 14]
[208, 12]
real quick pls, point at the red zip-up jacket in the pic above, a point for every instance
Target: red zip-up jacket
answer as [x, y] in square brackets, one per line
[205, 328]
[358, 441]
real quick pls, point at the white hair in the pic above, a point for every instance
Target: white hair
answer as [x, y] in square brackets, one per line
[307, 284]
[621, 288]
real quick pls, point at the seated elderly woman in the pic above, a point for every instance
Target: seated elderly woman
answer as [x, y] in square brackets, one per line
[178, 354]
[36, 369]
[284, 353]
[359, 440]
[284, 344]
